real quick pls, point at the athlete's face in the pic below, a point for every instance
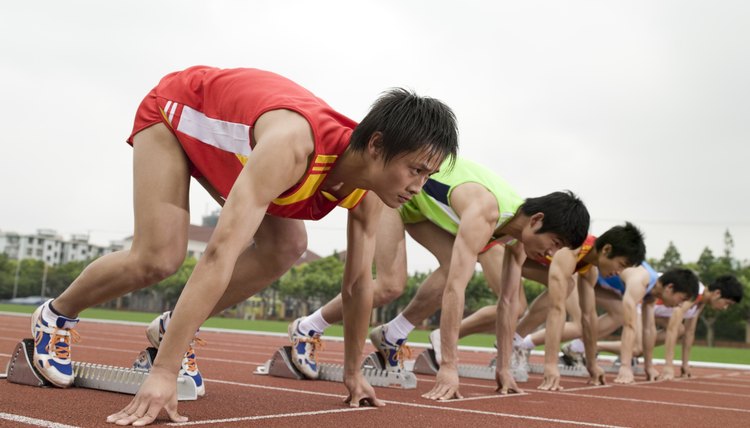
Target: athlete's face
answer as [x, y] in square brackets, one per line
[722, 303]
[673, 298]
[612, 266]
[403, 177]
[540, 245]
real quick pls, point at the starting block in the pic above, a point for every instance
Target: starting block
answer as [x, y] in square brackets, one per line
[124, 380]
[280, 365]
[572, 370]
[426, 363]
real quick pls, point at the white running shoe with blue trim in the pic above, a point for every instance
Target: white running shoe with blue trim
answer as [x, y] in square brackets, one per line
[52, 346]
[394, 354]
[305, 347]
[155, 332]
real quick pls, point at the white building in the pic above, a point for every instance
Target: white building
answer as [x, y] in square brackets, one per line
[46, 245]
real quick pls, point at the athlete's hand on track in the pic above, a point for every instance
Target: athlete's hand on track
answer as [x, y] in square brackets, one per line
[685, 371]
[596, 375]
[667, 372]
[360, 392]
[551, 381]
[625, 375]
[446, 385]
[159, 391]
[652, 374]
[505, 382]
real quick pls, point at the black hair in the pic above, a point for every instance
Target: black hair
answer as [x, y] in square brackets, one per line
[682, 280]
[564, 215]
[625, 241]
[730, 286]
[408, 123]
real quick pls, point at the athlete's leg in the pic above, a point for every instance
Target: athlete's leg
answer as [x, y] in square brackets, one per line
[277, 245]
[571, 328]
[611, 303]
[430, 293]
[483, 320]
[161, 181]
[390, 267]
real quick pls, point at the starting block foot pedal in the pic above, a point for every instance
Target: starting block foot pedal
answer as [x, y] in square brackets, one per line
[577, 370]
[20, 369]
[145, 359]
[426, 363]
[280, 365]
[635, 365]
[374, 361]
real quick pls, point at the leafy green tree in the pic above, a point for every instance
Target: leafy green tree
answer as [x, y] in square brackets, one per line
[170, 288]
[314, 282]
[670, 259]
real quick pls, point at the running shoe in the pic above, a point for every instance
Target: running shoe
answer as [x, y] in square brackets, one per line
[155, 332]
[52, 347]
[394, 354]
[435, 342]
[305, 347]
[571, 357]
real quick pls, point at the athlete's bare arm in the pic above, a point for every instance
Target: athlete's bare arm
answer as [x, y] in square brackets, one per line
[649, 338]
[356, 292]
[513, 260]
[560, 281]
[635, 280]
[687, 341]
[478, 210]
[670, 341]
[589, 323]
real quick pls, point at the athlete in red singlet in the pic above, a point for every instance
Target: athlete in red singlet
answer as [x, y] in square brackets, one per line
[271, 153]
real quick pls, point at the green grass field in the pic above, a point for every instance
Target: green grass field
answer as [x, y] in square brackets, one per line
[699, 353]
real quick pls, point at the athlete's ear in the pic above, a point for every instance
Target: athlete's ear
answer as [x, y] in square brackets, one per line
[375, 145]
[535, 221]
[606, 249]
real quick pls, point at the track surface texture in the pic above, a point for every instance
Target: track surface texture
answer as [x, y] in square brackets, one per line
[237, 397]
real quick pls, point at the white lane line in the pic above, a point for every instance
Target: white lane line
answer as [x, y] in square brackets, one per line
[664, 403]
[698, 391]
[426, 406]
[724, 384]
[582, 388]
[33, 421]
[482, 397]
[280, 415]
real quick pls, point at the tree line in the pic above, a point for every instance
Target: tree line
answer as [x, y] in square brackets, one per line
[308, 286]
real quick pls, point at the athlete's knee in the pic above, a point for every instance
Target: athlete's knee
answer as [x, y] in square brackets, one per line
[152, 268]
[386, 295]
[291, 249]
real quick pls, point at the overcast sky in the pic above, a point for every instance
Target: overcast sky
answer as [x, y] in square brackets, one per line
[640, 107]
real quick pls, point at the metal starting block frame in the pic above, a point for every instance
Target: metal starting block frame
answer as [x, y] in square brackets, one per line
[280, 365]
[614, 368]
[577, 370]
[124, 380]
[426, 363]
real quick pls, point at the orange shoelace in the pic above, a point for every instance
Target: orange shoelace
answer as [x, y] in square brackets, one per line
[403, 353]
[60, 336]
[190, 354]
[317, 345]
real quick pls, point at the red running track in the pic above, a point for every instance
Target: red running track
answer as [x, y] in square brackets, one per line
[236, 397]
